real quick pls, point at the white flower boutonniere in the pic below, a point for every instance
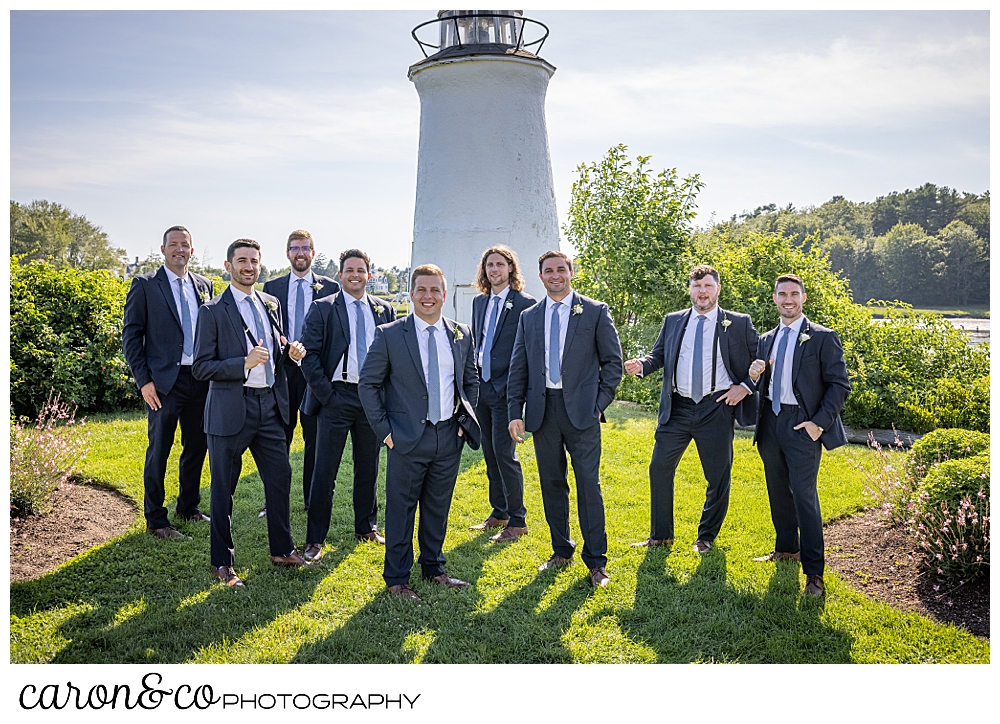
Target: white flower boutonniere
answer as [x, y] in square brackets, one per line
[205, 296]
[804, 338]
[458, 334]
[377, 309]
[317, 287]
[272, 306]
[726, 321]
[508, 305]
[577, 309]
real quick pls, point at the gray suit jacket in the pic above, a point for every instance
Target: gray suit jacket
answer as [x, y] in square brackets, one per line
[278, 287]
[503, 336]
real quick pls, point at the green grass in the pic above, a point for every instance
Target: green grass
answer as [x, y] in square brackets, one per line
[141, 600]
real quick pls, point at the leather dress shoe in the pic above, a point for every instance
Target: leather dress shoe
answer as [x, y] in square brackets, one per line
[653, 543]
[404, 591]
[370, 536]
[599, 577]
[554, 562]
[227, 575]
[197, 515]
[778, 556]
[445, 580]
[313, 552]
[167, 533]
[292, 560]
[701, 546]
[814, 586]
[510, 533]
[490, 522]
[262, 513]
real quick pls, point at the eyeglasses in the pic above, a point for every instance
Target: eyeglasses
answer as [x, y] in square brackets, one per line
[299, 249]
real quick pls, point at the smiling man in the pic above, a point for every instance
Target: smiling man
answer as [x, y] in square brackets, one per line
[419, 388]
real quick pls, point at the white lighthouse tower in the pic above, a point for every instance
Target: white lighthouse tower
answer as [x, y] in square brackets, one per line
[483, 171]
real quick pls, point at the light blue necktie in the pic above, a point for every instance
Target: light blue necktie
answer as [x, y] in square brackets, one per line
[488, 343]
[186, 322]
[697, 381]
[268, 372]
[433, 379]
[362, 332]
[300, 309]
[779, 362]
[555, 360]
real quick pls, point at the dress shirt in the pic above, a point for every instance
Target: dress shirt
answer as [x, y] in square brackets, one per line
[352, 349]
[685, 358]
[486, 320]
[446, 362]
[564, 311]
[256, 376]
[307, 293]
[787, 395]
[189, 298]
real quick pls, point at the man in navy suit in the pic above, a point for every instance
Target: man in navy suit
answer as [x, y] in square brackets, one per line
[337, 334]
[238, 350]
[564, 370]
[804, 385]
[419, 388]
[705, 353]
[494, 325]
[158, 342]
[296, 291]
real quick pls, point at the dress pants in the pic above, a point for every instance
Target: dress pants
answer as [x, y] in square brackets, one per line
[342, 415]
[710, 425]
[554, 438]
[503, 467]
[791, 465]
[185, 403]
[425, 476]
[296, 391]
[264, 435]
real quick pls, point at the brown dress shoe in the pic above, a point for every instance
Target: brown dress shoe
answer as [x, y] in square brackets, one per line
[445, 580]
[701, 546]
[371, 536]
[227, 575]
[490, 522]
[814, 586]
[293, 560]
[553, 562]
[599, 577]
[313, 552]
[653, 543]
[167, 533]
[510, 533]
[198, 516]
[778, 556]
[404, 591]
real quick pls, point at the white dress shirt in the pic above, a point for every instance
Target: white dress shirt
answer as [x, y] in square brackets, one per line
[564, 312]
[257, 376]
[489, 313]
[787, 395]
[685, 359]
[446, 362]
[353, 372]
[190, 299]
[307, 295]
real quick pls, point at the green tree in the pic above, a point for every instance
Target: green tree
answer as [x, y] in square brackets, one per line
[966, 263]
[47, 231]
[910, 263]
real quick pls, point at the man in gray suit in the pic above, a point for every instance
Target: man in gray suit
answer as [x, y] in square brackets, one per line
[419, 388]
[238, 349]
[564, 370]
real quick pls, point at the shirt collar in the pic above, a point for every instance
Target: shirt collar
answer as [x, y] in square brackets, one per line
[502, 295]
[550, 302]
[293, 277]
[795, 326]
[237, 294]
[422, 325]
[709, 316]
[173, 277]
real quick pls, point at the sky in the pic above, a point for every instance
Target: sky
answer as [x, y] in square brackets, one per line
[251, 124]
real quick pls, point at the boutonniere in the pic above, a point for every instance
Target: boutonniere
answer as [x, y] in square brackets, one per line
[804, 338]
[317, 287]
[726, 321]
[377, 309]
[272, 306]
[458, 334]
[577, 309]
[204, 295]
[509, 304]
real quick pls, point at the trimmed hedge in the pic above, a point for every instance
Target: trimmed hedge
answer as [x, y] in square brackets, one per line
[945, 444]
[950, 480]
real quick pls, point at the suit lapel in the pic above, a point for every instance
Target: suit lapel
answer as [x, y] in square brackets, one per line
[168, 293]
[539, 323]
[797, 356]
[410, 339]
[504, 311]
[571, 325]
[340, 309]
[234, 314]
[723, 337]
[456, 353]
[766, 381]
[676, 339]
[479, 314]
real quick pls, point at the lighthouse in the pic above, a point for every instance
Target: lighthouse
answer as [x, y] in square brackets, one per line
[483, 171]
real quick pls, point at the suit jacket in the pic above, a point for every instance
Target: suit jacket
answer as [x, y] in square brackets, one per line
[220, 348]
[591, 367]
[279, 288]
[819, 379]
[152, 335]
[503, 335]
[326, 335]
[737, 347]
[393, 390]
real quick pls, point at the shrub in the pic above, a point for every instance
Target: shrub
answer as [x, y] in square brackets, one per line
[44, 455]
[889, 482]
[950, 481]
[945, 444]
[956, 538]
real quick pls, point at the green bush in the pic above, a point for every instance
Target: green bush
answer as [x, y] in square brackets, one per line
[945, 444]
[950, 481]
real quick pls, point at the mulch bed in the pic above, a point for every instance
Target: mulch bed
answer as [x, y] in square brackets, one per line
[81, 517]
[884, 563]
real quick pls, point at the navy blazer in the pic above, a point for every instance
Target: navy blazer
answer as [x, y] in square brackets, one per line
[278, 287]
[152, 343]
[819, 379]
[220, 348]
[393, 390]
[737, 347]
[503, 335]
[591, 369]
[326, 335]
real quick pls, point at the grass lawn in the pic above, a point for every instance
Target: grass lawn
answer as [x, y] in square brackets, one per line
[141, 600]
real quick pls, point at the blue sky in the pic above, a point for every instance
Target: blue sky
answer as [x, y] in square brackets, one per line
[255, 123]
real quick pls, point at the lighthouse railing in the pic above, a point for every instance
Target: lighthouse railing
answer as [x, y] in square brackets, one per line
[519, 25]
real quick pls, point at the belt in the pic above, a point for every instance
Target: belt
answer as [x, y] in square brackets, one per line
[346, 384]
[784, 407]
[440, 422]
[257, 391]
